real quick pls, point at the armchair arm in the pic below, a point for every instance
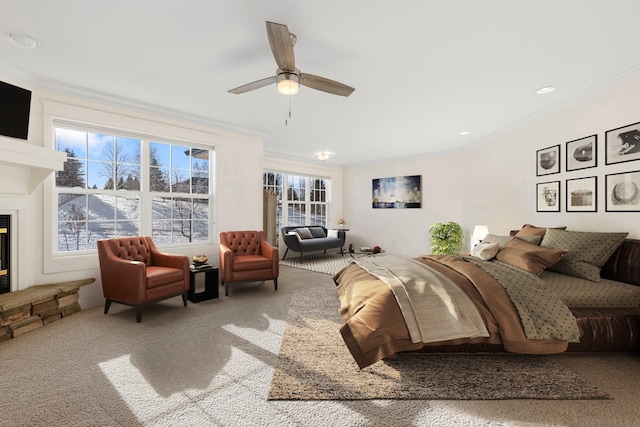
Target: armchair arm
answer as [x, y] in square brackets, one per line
[162, 259]
[272, 253]
[292, 242]
[115, 272]
[226, 262]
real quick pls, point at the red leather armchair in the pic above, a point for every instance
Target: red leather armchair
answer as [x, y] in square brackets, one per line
[246, 256]
[135, 273]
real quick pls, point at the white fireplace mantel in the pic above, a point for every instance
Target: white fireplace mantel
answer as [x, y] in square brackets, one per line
[24, 166]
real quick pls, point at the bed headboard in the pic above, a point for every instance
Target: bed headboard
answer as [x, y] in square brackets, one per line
[624, 264]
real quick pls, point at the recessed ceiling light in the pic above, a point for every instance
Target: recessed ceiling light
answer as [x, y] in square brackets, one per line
[465, 133]
[545, 89]
[24, 41]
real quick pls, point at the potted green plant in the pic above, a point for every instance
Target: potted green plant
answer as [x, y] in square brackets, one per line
[446, 239]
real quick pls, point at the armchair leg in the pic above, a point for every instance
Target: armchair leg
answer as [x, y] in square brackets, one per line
[138, 314]
[275, 283]
[184, 299]
[107, 304]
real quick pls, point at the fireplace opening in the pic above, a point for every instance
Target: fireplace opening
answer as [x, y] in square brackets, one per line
[5, 259]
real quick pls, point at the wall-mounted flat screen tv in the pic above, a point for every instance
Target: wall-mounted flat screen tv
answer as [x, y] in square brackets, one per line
[15, 104]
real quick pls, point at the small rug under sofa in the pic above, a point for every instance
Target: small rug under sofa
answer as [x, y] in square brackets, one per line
[323, 263]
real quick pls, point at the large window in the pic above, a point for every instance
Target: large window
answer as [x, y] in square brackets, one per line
[302, 200]
[116, 185]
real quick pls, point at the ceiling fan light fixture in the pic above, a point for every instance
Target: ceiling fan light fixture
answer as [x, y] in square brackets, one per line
[288, 83]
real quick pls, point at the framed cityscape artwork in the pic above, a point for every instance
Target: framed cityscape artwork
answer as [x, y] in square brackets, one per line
[401, 192]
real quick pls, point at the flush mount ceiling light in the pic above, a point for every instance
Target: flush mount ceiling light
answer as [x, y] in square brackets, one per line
[545, 89]
[24, 41]
[465, 133]
[323, 156]
[288, 83]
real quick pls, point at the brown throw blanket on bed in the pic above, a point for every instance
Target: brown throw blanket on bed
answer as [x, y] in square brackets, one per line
[375, 327]
[433, 306]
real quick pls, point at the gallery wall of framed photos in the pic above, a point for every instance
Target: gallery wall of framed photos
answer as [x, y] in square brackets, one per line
[570, 185]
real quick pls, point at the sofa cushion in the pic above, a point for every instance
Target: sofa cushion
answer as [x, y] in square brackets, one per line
[304, 233]
[250, 262]
[161, 276]
[317, 232]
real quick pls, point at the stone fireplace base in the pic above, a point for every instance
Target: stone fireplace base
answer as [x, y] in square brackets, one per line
[29, 309]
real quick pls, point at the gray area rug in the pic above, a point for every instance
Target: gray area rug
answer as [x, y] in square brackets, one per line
[315, 364]
[325, 263]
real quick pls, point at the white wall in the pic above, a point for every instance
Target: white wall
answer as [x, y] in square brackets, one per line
[494, 183]
[237, 193]
[403, 231]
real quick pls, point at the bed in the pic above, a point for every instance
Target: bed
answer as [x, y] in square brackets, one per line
[544, 291]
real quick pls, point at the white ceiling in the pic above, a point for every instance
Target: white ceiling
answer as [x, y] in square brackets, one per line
[423, 70]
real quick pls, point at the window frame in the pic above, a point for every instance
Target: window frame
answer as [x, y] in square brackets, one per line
[55, 113]
[284, 200]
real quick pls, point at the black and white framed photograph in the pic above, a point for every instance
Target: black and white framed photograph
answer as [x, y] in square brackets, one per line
[623, 192]
[622, 144]
[548, 160]
[582, 153]
[548, 196]
[582, 194]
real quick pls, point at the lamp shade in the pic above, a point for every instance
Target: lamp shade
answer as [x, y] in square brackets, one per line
[480, 232]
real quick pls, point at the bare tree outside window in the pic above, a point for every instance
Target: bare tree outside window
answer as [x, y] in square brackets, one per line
[105, 178]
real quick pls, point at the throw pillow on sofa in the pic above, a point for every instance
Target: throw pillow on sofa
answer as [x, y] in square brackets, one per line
[303, 233]
[317, 232]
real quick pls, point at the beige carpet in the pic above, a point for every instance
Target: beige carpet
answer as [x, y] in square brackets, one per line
[314, 364]
[211, 364]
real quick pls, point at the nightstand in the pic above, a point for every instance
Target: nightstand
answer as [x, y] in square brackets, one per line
[210, 283]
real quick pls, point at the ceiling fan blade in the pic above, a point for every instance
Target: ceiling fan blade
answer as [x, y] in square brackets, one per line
[254, 85]
[325, 85]
[281, 46]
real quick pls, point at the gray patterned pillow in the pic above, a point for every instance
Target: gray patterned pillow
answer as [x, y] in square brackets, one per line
[588, 251]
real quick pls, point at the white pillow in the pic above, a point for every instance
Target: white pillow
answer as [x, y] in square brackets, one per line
[332, 233]
[503, 241]
[485, 251]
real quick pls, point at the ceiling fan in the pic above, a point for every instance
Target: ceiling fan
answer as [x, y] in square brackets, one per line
[288, 78]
